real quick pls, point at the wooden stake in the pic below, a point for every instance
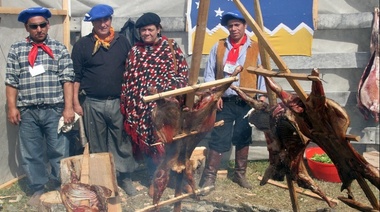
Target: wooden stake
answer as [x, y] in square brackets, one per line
[189, 89]
[265, 59]
[264, 72]
[197, 48]
[85, 166]
[183, 135]
[275, 57]
[299, 190]
[11, 182]
[174, 200]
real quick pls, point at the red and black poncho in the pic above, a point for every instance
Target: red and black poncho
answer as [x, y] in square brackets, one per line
[149, 66]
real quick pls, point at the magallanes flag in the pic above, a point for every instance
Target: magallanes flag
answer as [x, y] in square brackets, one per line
[288, 24]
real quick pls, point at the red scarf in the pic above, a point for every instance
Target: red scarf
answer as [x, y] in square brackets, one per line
[233, 54]
[34, 51]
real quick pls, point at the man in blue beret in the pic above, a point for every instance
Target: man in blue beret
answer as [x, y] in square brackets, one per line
[99, 63]
[39, 89]
[228, 53]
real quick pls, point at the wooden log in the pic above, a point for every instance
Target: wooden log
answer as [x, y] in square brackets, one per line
[197, 48]
[174, 200]
[299, 190]
[267, 73]
[189, 89]
[275, 57]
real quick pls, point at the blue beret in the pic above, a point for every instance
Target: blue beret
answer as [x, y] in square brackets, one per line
[148, 19]
[98, 11]
[33, 11]
[231, 15]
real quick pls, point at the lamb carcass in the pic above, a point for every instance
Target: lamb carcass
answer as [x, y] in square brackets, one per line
[325, 123]
[171, 118]
[368, 91]
[285, 142]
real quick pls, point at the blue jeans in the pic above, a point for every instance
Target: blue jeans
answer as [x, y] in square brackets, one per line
[40, 144]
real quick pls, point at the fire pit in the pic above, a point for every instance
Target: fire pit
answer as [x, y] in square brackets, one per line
[322, 171]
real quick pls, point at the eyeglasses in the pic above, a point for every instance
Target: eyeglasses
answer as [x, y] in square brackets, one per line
[35, 26]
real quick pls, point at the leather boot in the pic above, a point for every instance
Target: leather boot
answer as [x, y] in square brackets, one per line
[125, 182]
[241, 160]
[209, 173]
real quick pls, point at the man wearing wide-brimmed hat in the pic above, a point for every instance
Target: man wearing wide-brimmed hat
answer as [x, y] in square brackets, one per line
[39, 89]
[99, 63]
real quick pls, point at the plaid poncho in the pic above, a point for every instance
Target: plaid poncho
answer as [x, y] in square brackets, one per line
[149, 66]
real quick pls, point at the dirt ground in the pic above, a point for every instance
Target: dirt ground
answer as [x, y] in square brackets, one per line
[228, 196]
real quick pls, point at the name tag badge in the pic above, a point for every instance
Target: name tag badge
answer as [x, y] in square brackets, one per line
[229, 68]
[36, 70]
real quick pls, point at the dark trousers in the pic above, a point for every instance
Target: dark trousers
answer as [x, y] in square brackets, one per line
[235, 130]
[104, 128]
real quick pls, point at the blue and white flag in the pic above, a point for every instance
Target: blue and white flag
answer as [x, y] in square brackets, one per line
[288, 25]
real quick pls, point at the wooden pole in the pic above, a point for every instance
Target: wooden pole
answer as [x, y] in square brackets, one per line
[85, 165]
[292, 193]
[301, 191]
[174, 200]
[275, 57]
[66, 25]
[197, 48]
[265, 59]
[11, 182]
[188, 89]
[264, 72]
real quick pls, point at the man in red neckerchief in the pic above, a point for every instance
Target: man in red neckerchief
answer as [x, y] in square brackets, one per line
[237, 49]
[39, 90]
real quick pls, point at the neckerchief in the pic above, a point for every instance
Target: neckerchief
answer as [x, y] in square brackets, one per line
[233, 54]
[103, 42]
[34, 52]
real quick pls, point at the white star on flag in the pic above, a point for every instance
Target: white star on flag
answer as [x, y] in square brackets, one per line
[197, 3]
[218, 12]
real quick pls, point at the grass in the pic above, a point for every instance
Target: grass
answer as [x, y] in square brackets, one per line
[267, 197]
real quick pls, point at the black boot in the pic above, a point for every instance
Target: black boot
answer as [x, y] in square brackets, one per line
[125, 182]
[241, 160]
[209, 173]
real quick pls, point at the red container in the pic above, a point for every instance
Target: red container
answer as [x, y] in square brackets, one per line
[322, 171]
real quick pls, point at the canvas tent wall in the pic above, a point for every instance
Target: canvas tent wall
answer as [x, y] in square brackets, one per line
[340, 50]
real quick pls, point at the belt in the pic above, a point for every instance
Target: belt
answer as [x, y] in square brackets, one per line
[231, 99]
[104, 97]
[236, 99]
[45, 106]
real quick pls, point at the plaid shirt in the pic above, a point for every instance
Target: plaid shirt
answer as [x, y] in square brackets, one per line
[46, 88]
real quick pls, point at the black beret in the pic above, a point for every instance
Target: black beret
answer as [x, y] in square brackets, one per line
[148, 19]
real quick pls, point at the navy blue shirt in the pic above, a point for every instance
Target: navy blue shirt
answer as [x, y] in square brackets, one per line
[100, 75]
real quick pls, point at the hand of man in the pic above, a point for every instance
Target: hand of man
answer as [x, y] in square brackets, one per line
[14, 116]
[68, 116]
